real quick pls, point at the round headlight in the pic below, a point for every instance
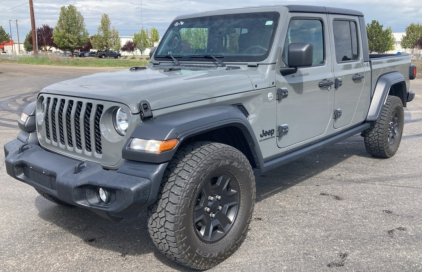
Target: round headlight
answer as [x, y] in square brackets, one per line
[121, 121]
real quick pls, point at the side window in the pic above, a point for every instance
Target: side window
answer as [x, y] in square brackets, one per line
[346, 40]
[306, 31]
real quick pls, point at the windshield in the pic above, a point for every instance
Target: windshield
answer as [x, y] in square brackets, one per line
[234, 37]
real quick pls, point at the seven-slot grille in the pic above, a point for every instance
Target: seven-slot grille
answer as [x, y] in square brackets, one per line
[73, 124]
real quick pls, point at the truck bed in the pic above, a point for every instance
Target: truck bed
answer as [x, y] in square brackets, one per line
[386, 63]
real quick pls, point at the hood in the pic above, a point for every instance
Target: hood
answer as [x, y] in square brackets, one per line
[161, 89]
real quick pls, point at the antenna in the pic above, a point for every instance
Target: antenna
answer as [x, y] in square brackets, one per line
[142, 17]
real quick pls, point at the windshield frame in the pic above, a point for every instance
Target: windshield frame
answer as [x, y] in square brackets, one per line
[273, 15]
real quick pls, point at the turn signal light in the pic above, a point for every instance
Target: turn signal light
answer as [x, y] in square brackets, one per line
[168, 145]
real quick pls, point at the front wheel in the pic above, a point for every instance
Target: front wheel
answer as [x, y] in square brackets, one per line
[205, 205]
[383, 138]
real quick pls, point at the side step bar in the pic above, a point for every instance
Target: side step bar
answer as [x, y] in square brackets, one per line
[275, 163]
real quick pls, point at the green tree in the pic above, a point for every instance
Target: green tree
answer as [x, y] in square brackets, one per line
[4, 37]
[413, 33]
[142, 40]
[379, 40]
[107, 38]
[28, 42]
[70, 32]
[196, 37]
[155, 36]
[96, 42]
[115, 40]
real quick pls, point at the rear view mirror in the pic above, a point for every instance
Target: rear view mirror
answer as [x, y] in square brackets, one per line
[299, 55]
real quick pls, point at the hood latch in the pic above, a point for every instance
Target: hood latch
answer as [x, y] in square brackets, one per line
[146, 112]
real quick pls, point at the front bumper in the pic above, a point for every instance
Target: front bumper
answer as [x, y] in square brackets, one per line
[134, 186]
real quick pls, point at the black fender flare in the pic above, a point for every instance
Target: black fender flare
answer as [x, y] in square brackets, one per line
[382, 89]
[187, 123]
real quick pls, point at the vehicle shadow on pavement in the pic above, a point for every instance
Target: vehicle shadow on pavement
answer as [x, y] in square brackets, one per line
[130, 238]
[303, 169]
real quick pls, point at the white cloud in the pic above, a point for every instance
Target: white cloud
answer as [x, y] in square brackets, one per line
[126, 14]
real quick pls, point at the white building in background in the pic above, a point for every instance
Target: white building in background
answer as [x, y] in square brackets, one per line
[15, 49]
[398, 37]
[125, 39]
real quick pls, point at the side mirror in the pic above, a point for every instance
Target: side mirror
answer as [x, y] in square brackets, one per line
[151, 53]
[299, 55]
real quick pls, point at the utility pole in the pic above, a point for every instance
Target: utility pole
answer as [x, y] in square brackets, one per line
[11, 37]
[17, 30]
[34, 34]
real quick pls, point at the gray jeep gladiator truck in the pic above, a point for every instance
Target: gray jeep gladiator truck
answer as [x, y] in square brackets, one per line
[227, 95]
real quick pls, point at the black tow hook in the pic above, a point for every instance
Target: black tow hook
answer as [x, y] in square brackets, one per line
[79, 167]
[24, 147]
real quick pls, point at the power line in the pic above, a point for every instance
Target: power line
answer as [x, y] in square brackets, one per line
[13, 8]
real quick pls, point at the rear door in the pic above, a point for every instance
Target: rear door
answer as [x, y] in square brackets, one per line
[349, 69]
[306, 110]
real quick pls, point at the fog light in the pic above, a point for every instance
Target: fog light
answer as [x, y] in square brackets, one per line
[24, 116]
[104, 195]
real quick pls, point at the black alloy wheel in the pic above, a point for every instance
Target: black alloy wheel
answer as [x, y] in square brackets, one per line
[216, 207]
[393, 128]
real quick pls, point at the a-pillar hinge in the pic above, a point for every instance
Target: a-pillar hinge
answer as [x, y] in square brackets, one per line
[282, 130]
[337, 114]
[282, 93]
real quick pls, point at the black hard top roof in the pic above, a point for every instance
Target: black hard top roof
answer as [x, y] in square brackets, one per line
[319, 9]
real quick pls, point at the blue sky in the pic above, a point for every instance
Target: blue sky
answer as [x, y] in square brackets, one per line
[126, 14]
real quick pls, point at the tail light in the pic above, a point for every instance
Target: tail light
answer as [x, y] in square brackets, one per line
[412, 71]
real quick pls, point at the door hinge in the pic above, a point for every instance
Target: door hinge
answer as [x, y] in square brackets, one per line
[282, 93]
[337, 114]
[338, 83]
[282, 130]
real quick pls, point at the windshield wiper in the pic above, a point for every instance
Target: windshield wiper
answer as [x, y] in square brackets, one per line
[175, 61]
[220, 62]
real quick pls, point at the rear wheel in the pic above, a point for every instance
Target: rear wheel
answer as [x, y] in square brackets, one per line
[383, 138]
[54, 199]
[205, 205]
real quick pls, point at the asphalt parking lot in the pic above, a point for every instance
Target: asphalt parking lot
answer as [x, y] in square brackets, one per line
[335, 210]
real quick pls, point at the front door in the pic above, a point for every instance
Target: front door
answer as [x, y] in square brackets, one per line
[305, 109]
[349, 69]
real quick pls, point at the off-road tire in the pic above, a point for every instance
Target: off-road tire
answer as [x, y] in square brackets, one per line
[377, 137]
[170, 219]
[54, 200]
